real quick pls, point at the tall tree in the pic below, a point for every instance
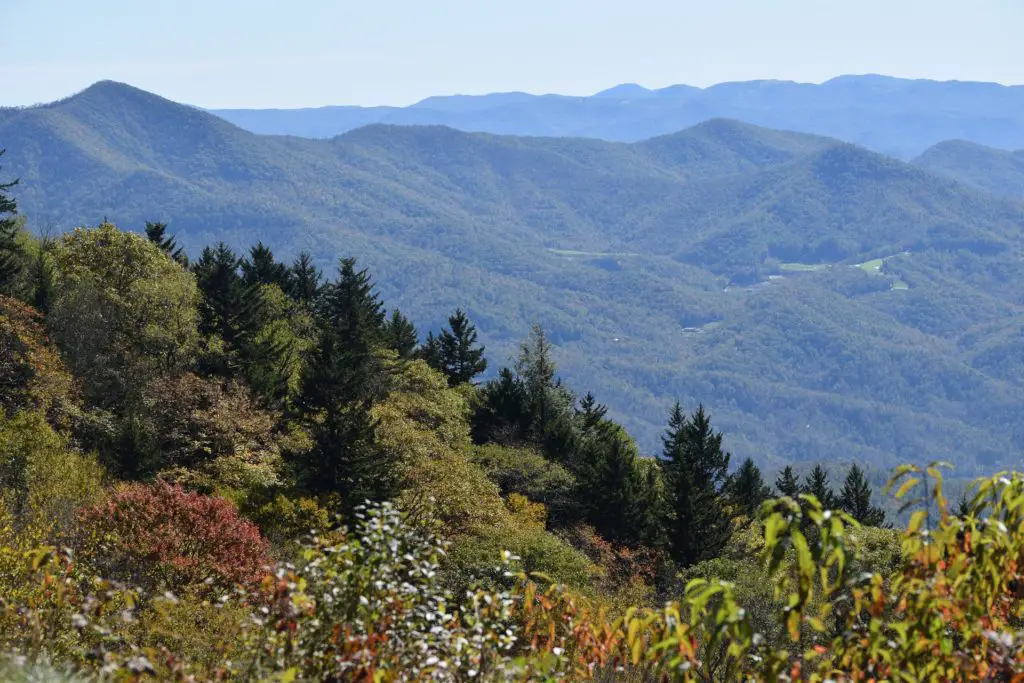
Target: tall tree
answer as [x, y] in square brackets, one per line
[157, 234]
[401, 335]
[817, 485]
[536, 368]
[305, 281]
[621, 497]
[696, 472]
[43, 285]
[504, 415]
[788, 483]
[459, 356]
[343, 379]
[591, 413]
[748, 489]
[260, 268]
[12, 255]
[855, 498]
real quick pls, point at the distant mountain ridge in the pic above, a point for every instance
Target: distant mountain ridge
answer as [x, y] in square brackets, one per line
[898, 117]
[824, 301]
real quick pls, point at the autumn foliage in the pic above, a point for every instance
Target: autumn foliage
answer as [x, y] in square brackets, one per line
[162, 534]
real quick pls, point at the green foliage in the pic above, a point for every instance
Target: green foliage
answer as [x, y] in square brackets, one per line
[13, 262]
[401, 335]
[125, 312]
[617, 249]
[747, 488]
[855, 499]
[343, 378]
[457, 354]
[696, 474]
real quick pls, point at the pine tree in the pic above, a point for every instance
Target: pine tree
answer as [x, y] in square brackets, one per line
[504, 414]
[622, 500]
[260, 268]
[430, 351]
[230, 308]
[748, 489]
[342, 380]
[855, 498]
[43, 287]
[817, 485]
[591, 413]
[12, 255]
[536, 369]
[696, 470]
[401, 335]
[305, 281]
[459, 357]
[788, 483]
[157, 234]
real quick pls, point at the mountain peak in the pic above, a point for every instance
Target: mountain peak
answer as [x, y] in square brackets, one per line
[624, 91]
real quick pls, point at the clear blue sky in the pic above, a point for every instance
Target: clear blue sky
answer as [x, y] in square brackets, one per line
[289, 53]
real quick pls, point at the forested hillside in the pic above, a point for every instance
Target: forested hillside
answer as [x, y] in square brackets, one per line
[823, 301]
[234, 467]
[994, 170]
[896, 116]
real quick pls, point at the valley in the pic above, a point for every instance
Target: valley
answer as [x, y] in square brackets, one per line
[616, 249]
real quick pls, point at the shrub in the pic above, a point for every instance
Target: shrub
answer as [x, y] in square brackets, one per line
[161, 536]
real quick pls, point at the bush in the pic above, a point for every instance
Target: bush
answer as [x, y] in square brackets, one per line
[161, 536]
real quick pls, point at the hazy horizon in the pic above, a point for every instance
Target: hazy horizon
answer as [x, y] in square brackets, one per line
[254, 55]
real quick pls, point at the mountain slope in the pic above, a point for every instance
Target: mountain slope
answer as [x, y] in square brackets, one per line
[822, 300]
[894, 116]
[994, 170]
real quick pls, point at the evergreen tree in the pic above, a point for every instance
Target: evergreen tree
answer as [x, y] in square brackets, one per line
[12, 256]
[817, 485]
[430, 351]
[788, 483]
[352, 306]
[591, 413]
[504, 414]
[305, 281]
[236, 312]
[260, 268]
[157, 234]
[696, 470]
[401, 335]
[458, 355]
[536, 369]
[342, 380]
[621, 497]
[855, 498]
[230, 308]
[748, 489]
[43, 288]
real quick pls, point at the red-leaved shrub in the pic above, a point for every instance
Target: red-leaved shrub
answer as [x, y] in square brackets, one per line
[159, 535]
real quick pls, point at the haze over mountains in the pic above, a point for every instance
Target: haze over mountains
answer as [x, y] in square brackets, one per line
[899, 117]
[772, 275]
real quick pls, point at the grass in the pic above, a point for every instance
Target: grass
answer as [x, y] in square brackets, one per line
[597, 254]
[804, 267]
[873, 266]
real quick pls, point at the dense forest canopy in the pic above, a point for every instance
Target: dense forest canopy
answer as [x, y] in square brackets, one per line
[230, 467]
[824, 303]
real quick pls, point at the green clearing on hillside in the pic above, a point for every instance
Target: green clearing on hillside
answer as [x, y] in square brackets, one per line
[590, 254]
[804, 267]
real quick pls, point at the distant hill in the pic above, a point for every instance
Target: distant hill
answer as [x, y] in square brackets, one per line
[895, 116]
[824, 301]
[994, 170]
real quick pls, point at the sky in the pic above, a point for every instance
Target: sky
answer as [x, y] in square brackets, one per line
[296, 53]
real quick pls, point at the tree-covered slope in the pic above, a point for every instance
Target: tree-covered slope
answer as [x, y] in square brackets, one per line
[716, 264]
[895, 116]
[995, 170]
